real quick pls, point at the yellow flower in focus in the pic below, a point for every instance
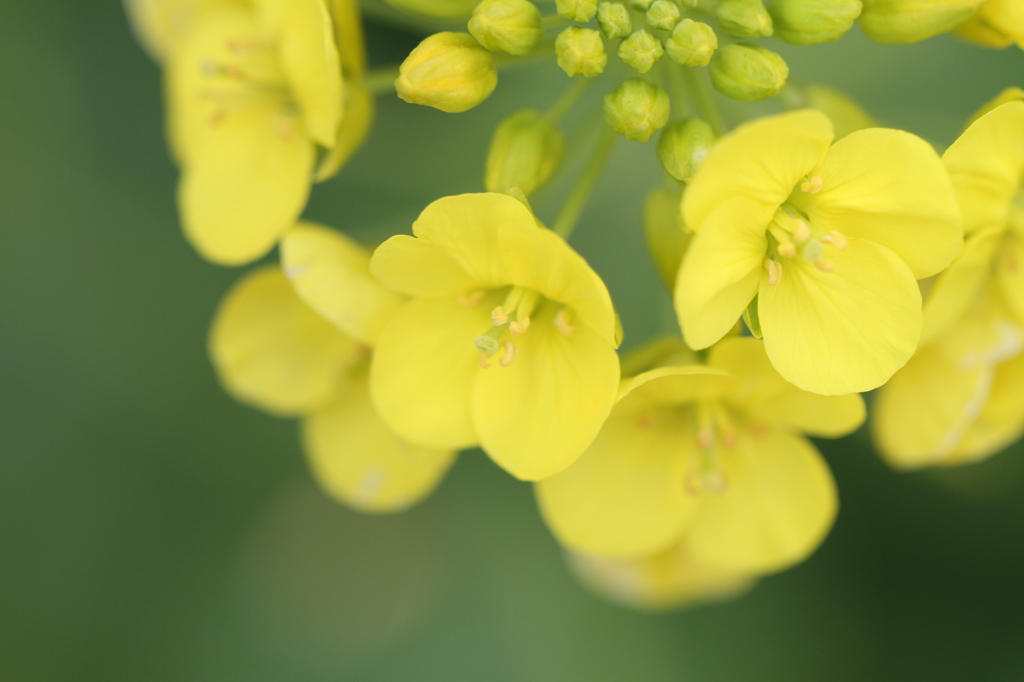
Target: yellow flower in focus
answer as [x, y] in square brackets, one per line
[713, 454]
[509, 341]
[253, 93]
[820, 244]
[273, 351]
[998, 24]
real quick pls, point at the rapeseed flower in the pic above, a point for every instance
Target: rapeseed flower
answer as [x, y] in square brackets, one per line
[998, 24]
[819, 245]
[508, 342]
[713, 454]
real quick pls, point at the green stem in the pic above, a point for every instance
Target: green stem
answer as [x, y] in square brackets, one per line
[677, 87]
[506, 62]
[553, 21]
[568, 99]
[381, 80]
[571, 211]
[704, 100]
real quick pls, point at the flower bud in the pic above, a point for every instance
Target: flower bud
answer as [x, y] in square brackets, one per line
[744, 18]
[525, 152]
[511, 26]
[692, 43]
[667, 238]
[641, 50]
[908, 21]
[663, 14]
[580, 52]
[804, 22]
[636, 109]
[642, 5]
[847, 116]
[613, 18]
[447, 71]
[580, 11]
[748, 72]
[683, 146]
[439, 9]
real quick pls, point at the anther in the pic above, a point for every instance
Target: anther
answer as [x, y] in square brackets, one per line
[813, 185]
[472, 298]
[787, 249]
[836, 239]
[825, 265]
[562, 323]
[511, 353]
[483, 360]
[499, 317]
[774, 269]
[519, 327]
[801, 231]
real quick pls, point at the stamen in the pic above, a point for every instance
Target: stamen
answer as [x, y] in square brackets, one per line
[472, 299]
[813, 185]
[705, 427]
[787, 250]
[801, 231]
[825, 265]
[774, 269]
[483, 360]
[836, 239]
[511, 353]
[499, 317]
[562, 323]
[519, 327]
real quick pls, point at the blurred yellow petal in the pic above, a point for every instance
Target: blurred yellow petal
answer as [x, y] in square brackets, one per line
[1001, 422]
[998, 24]
[678, 385]
[352, 131]
[845, 331]
[358, 461]
[332, 275]
[272, 351]
[778, 505]
[537, 416]
[423, 371]
[986, 165]
[762, 394]
[890, 187]
[161, 25]
[625, 495]
[721, 269]
[245, 185]
[1010, 94]
[348, 26]
[1010, 273]
[979, 32]
[415, 267]
[762, 160]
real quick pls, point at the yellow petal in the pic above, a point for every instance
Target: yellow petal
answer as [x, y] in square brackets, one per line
[1001, 422]
[960, 285]
[845, 331]
[677, 385]
[1010, 273]
[358, 461]
[979, 32]
[890, 187]
[332, 275]
[352, 130]
[625, 495]
[245, 184]
[161, 25]
[986, 165]
[778, 505]
[537, 416]
[721, 270]
[348, 26]
[762, 394]
[271, 351]
[1010, 94]
[423, 371]
[671, 579]
[539, 259]
[762, 160]
[1006, 18]
[415, 267]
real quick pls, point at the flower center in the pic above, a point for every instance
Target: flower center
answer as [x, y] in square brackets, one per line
[715, 430]
[511, 319]
[791, 234]
[246, 74]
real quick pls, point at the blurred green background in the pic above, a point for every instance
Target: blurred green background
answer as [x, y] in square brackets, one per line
[153, 529]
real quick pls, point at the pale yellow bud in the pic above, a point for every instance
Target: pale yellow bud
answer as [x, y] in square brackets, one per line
[748, 72]
[663, 14]
[804, 22]
[613, 18]
[580, 11]
[744, 18]
[525, 152]
[641, 50]
[580, 52]
[637, 109]
[447, 71]
[692, 43]
[511, 26]
[683, 146]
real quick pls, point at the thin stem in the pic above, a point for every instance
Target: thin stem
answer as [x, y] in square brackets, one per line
[704, 100]
[553, 21]
[571, 211]
[381, 80]
[568, 99]
[677, 86]
[506, 62]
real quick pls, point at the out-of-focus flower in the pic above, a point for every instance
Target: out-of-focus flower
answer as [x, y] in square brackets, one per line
[909, 21]
[998, 24]
[160, 25]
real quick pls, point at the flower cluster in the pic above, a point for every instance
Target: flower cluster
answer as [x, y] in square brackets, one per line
[811, 255]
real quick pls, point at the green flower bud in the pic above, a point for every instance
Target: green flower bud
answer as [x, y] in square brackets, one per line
[525, 152]
[511, 26]
[642, 5]
[692, 43]
[908, 21]
[683, 146]
[744, 18]
[748, 72]
[667, 238]
[641, 50]
[580, 11]
[663, 14]
[580, 52]
[804, 22]
[689, 4]
[847, 116]
[614, 20]
[636, 109]
[447, 71]
[439, 9]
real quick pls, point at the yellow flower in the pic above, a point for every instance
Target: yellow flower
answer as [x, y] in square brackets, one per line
[509, 341]
[710, 453]
[820, 243]
[670, 579]
[274, 348]
[161, 24]
[252, 94]
[998, 24]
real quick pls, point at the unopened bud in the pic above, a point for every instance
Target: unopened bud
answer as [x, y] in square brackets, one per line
[663, 14]
[909, 21]
[636, 109]
[748, 72]
[613, 18]
[447, 71]
[847, 116]
[804, 22]
[683, 146]
[580, 52]
[511, 26]
[667, 238]
[692, 43]
[641, 50]
[580, 11]
[525, 152]
[744, 18]
[440, 9]
[642, 5]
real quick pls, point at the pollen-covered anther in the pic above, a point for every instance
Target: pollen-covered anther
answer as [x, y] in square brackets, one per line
[511, 353]
[519, 327]
[499, 317]
[825, 265]
[472, 298]
[562, 323]
[787, 249]
[774, 269]
[484, 361]
[836, 239]
[801, 231]
[813, 185]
